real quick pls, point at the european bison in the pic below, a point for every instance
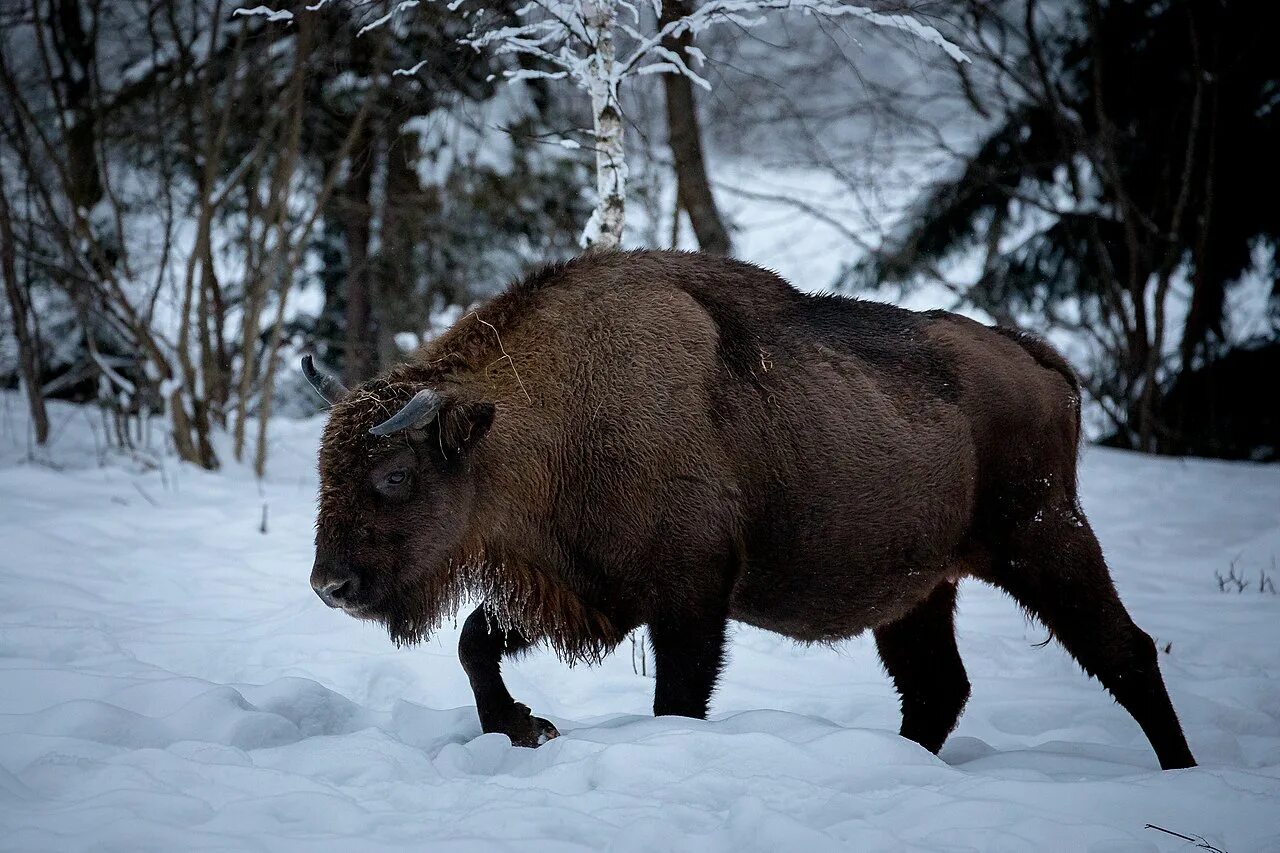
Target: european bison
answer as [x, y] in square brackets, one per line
[676, 440]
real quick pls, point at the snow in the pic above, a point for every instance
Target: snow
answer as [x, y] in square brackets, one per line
[267, 12]
[169, 681]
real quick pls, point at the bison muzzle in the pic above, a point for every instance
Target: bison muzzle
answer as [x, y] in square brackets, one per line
[675, 441]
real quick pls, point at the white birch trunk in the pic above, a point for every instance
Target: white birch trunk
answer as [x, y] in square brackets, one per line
[604, 229]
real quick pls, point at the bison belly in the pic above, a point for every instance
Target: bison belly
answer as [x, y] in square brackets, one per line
[856, 539]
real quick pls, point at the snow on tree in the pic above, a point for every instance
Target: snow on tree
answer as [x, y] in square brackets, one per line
[597, 44]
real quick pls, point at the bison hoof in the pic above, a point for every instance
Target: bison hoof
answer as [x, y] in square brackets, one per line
[540, 732]
[524, 729]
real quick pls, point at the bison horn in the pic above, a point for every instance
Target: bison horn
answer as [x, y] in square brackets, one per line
[419, 411]
[326, 386]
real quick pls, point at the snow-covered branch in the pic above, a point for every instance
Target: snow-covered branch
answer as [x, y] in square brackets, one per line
[750, 13]
[578, 40]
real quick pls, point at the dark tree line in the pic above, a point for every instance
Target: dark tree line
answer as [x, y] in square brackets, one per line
[1126, 185]
[169, 170]
[187, 195]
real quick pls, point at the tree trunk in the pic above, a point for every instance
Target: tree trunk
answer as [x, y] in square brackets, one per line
[28, 343]
[192, 378]
[76, 53]
[255, 287]
[685, 139]
[396, 307]
[604, 229]
[354, 206]
[284, 254]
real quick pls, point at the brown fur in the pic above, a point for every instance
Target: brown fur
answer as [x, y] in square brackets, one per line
[674, 440]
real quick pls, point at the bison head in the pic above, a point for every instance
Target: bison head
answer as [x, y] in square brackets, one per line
[396, 497]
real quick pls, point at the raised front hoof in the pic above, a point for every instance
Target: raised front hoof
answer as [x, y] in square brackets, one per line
[523, 728]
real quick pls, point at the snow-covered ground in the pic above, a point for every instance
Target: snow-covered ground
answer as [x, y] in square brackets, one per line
[168, 681]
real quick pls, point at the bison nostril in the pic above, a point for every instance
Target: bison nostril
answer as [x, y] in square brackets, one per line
[337, 593]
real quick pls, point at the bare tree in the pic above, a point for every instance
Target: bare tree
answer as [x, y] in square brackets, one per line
[693, 188]
[597, 44]
[23, 321]
[177, 160]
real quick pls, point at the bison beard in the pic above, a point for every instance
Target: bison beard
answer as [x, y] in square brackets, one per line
[673, 440]
[512, 599]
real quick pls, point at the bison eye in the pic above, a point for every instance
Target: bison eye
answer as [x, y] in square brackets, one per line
[394, 484]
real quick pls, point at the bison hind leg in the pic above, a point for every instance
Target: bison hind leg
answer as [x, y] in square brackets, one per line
[919, 652]
[1053, 566]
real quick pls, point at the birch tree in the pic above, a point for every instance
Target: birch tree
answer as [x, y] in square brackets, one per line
[595, 45]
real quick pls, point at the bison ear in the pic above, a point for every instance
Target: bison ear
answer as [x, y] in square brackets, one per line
[462, 425]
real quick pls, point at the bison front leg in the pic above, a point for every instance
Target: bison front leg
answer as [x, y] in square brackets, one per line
[688, 651]
[481, 649]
